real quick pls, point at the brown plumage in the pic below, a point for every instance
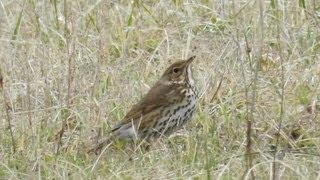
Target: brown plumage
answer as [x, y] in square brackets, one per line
[168, 105]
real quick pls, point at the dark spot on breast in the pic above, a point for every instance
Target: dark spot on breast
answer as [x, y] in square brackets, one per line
[154, 134]
[177, 109]
[166, 112]
[161, 129]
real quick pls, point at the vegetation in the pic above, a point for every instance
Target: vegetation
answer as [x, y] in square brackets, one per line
[81, 65]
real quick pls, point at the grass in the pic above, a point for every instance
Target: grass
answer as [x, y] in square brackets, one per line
[83, 64]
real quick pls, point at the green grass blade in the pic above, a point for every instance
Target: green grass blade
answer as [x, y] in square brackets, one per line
[302, 3]
[17, 27]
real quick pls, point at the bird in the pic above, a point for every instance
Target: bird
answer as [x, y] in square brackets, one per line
[166, 108]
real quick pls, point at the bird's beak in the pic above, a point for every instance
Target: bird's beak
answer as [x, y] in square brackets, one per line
[190, 59]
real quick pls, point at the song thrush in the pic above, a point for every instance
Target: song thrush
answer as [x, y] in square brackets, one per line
[168, 105]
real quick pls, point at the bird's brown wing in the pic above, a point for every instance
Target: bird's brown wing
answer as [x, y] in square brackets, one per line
[153, 100]
[157, 97]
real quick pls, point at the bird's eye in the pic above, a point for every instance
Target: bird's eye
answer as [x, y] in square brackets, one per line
[175, 70]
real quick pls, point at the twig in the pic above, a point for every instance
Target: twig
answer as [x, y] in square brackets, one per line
[70, 55]
[218, 88]
[274, 163]
[7, 108]
[248, 118]
[29, 99]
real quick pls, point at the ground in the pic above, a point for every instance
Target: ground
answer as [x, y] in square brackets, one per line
[83, 64]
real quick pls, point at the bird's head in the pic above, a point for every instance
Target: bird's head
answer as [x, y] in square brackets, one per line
[179, 73]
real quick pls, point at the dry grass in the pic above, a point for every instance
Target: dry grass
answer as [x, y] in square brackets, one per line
[84, 63]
